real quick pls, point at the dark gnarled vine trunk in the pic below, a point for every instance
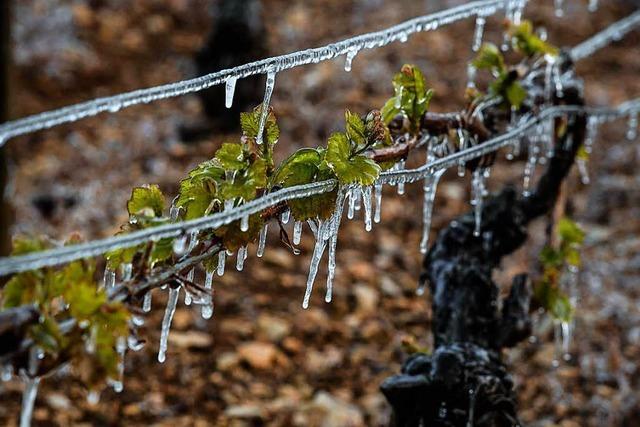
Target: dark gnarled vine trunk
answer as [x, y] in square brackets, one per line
[464, 382]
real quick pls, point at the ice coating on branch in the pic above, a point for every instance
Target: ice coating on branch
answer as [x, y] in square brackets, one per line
[286, 215]
[240, 257]
[28, 400]
[271, 80]
[378, 196]
[429, 186]
[187, 294]
[334, 228]
[318, 250]
[221, 261]
[297, 232]
[174, 293]
[262, 240]
[479, 191]
[229, 89]
[632, 131]
[207, 308]
[400, 167]
[351, 54]
[477, 34]
[146, 302]
[109, 279]
[244, 223]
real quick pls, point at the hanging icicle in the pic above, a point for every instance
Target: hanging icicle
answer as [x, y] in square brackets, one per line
[429, 186]
[28, 400]
[230, 88]
[174, 293]
[109, 279]
[353, 194]
[400, 167]
[378, 196]
[180, 245]
[593, 5]
[334, 229]
[244, 223]
[478, 192]
[240, 257]
[146, 302]
[529, 168]
[271, 80]
[366, 201]
[187, 294]
[632, 131]
[351, 54]
[207, 308]
[222, 255]
[262, 240]
[297, 232]
[559, 8]
[477, 35]
[285, 216]
[583, 170]
[318, 250]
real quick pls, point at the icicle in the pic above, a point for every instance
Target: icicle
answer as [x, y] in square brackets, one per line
[121, 348]
[593, 5]
[240, 257]
[334, 228]
[566, 340]
[193, 241]
[221, 260]
[366, 201]
[126, 271]
[134, 344]
[358, 200]
[93, 397]
[36, 354]
[286, 215]
[477, 35]
[207, 309]
[429, 187]
[230, 88]
[109, 278]
[471, 75]
[378, 197]
[557, 79]
[28, 400]
[7, 372]
[583, 170]
[180, 245]
[297, 232]
[262, 240]
[352, 202]
[461, 168]
[146, 302]
[478, 190]
[632, 132]
[559, 8]
[318, 250]
[244, 223]
[592, 134]
[351, 54]
[516, 16]
[174, 212]
[400, 167]
[271, 79]
[548, 78]
[174, 293]
[187, 294]
[529, 168]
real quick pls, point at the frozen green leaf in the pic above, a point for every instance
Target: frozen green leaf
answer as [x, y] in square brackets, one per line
[349, 168]
[489, 58]
[147, 200]
[231, 157]
[355, 128]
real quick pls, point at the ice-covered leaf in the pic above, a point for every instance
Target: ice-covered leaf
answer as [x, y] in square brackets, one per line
[349, 168]
[147, 201]
[411, 96]
[525, 41]
[489, 58]
[355, 128]
[231, 157]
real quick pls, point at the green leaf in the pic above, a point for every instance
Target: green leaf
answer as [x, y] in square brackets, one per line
[525, 41]
[570, 232]
[246, 183]
[347, 167]
[84, 299]
[549, 257]
[515, 94]
[116, 257]
[489, 58]
[411, 95]
[231, 157]
[162, 250]
[250, 123]
[355, 128]
[300, 167]
[147, 201]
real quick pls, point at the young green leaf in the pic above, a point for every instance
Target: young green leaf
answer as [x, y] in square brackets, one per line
[349, 168]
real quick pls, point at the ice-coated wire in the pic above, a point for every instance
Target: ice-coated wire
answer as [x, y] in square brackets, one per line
[373, 40]
[613, 32]
[70, 253]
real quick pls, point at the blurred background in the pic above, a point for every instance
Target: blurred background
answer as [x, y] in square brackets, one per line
[261, 359]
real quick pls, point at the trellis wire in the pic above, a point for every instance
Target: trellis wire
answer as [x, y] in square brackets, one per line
[274, 64]
[613, 32]
[70, 253]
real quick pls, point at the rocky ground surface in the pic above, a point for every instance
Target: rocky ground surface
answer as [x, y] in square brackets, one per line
[262, 359]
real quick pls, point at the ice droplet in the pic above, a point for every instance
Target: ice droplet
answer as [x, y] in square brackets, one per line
[262, 240]
[264, 112]
[230, 88]
[146, 302]
[378, 197]
[297, 232]
[174, 293]
[207, 308]
[28, 400]
[429, 187]
[559, 8]
[240, 257]
[180, 245]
